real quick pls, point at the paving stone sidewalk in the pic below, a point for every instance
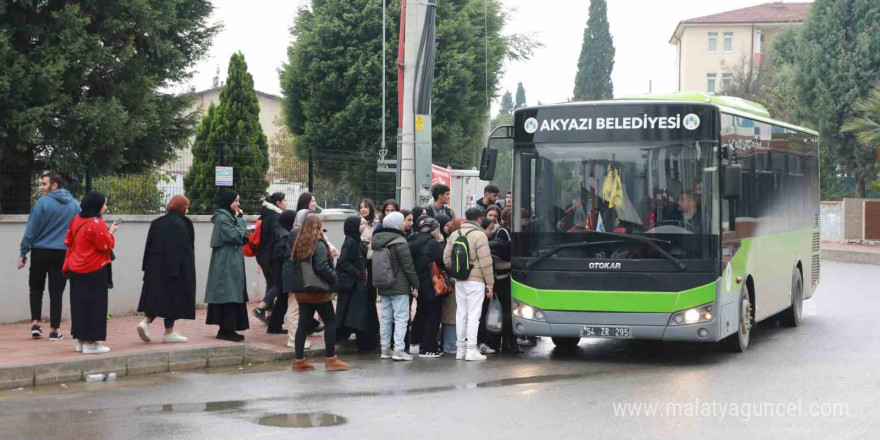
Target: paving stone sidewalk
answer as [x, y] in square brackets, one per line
[851, 253]
[28, 361]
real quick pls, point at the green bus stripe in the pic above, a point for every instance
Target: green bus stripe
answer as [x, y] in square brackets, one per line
[613, 301]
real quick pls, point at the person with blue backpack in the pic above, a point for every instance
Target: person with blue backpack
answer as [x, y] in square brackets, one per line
[468, 258]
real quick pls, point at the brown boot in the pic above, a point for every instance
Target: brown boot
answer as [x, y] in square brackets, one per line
[334, 364]
[302, 365]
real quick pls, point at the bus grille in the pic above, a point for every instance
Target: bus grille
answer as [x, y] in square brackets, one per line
[815, 242]
[815, 275]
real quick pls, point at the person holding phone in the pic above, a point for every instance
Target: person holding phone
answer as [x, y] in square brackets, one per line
[87, 263]
[226, 290]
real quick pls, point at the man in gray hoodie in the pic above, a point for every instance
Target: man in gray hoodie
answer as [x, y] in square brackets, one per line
[395, 301]
[44, 239]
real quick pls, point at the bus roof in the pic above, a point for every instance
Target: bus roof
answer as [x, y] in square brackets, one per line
[727, 104]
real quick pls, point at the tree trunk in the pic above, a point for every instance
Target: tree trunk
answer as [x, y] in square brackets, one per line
[860, 188]
[16, 178]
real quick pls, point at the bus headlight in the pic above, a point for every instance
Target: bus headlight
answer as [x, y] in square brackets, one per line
[695, 315]
[525, 311]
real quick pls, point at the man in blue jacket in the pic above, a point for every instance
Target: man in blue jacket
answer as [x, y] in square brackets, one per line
[44, 239]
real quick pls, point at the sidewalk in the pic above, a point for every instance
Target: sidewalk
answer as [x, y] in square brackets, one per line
[851, 253]
[28, 362]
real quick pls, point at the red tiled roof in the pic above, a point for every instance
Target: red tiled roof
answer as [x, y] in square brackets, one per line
[776, 12]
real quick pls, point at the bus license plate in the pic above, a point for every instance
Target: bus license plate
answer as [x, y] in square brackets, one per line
[605, 332]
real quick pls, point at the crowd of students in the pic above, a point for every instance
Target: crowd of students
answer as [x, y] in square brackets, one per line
[449, 266]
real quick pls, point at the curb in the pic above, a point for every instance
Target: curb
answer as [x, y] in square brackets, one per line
[851, 257]
[139, 364]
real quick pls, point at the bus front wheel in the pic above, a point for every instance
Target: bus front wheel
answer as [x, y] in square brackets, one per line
[791, 317]
[566, 343]
[739, 341]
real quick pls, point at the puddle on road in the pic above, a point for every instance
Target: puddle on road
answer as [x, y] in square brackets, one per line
[302, 420]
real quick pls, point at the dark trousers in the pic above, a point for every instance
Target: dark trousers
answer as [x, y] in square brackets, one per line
[268, 270]
[502, 289]
[306, 314]
[169, 323]
[428, 317]
[47, 263]
[276, 319]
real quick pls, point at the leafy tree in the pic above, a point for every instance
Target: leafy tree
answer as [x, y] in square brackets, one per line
[78, 87]
[230, 135]
[593, 80]
[520, 96]
[838, 58]
[331, 84]
[506, 104]
[133, 193]
[866, 128]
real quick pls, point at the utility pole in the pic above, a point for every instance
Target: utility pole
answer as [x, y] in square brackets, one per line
[414, 155]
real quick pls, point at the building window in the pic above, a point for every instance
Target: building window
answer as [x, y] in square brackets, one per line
[728, 41]
[757, 42]
[726, 81]
[713, 41]
[710, 82]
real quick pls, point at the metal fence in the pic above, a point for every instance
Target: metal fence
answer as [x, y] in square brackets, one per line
[338, 178]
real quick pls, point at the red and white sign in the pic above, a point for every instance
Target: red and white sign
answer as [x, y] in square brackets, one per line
[441, 175]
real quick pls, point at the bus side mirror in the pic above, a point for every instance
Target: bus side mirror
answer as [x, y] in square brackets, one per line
[487, 163]
[732, 182]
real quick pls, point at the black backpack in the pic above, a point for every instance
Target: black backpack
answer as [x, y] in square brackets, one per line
[461, 257]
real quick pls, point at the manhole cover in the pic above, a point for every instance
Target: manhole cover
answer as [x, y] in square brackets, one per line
[302, 420]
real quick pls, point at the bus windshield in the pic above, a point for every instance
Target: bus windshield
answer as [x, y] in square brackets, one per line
[664, 191]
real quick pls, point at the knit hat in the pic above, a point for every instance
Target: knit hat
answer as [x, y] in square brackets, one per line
[393, 221]
[428, 224]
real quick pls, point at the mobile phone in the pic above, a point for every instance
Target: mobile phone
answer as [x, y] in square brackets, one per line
[117, 222]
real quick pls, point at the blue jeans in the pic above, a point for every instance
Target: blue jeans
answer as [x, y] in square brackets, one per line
[449, 337]
[394, 308]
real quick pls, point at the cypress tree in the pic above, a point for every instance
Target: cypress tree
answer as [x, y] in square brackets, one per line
[838, 58]
[506, 104]
[230, 135]
[593, 80]
[520, 96]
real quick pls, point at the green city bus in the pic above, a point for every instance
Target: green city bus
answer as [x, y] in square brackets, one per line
[681, 217]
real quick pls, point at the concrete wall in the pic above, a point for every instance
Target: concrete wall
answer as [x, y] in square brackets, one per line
[830, 221]
[127, 274]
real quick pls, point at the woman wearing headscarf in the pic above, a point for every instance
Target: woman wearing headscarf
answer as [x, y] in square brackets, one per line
[87, 263]
[427, 249]
[354, 311]
[289, 278]
[279, 245]
[169, 266]
[226, 292]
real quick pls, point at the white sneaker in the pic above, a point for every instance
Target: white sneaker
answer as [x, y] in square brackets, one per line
[78, 347]
[400, 355]
[144, 330]
[414, 349]
[174, 337]
[386, 353]
[95, 349]
[306, 346]
[473, 354]
[485, 349]
[461, 352]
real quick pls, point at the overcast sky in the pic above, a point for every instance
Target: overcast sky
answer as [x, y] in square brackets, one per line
[640, 29]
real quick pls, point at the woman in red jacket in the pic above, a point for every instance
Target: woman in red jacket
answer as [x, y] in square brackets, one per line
[89, 244]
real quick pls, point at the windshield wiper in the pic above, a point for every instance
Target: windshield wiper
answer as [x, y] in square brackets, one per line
[552, 249]
[652, 242]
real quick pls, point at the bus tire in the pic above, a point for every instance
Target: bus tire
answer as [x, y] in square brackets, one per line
[566, 343]
[739, 341]
[791, 317]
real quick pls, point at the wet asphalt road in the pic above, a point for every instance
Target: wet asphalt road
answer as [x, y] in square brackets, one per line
[819, 381]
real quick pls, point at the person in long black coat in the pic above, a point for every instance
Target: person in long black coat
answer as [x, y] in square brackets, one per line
[355, 309]
[427, 249]
[283, 228]
[169, 289]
